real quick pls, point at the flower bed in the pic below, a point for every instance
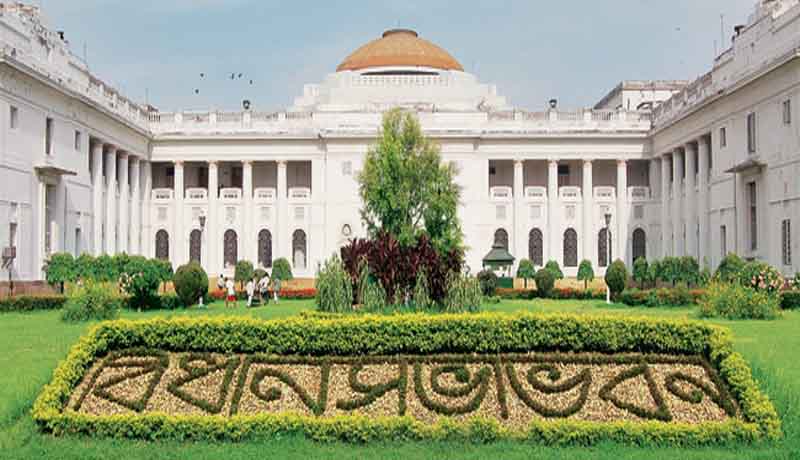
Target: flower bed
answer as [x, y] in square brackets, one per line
[554, 379]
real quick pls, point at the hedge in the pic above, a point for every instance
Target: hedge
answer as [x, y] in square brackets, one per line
[409, 334]
[790, 300]
[31, 303]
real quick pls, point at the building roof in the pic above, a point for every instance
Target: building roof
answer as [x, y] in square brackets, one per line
[400, 48]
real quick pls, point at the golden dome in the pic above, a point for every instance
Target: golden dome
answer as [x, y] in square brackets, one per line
[400, 48]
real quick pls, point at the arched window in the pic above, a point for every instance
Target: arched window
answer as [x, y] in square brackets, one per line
[195, 245]
[536, 247]
[501, 238]
[265, 248]
[162, 245]
[299, 249]
[639, 244]
[231, 248]
[602, 248]
[570, 248]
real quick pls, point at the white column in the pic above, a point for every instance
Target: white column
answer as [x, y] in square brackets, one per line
[666, 246]
[57, 238]
[703, 244]
[97, 198]
[124, 202]
[247, 194]
[282, 246]
[519, 212]
[178, 241]
[677, 191]
[40, 212]
[111, 200]
[211, 233]
[318, 234]
[147, 232]
[621, 238]
[553, 234]
[588, 216]
[690, 248]
[136, 208]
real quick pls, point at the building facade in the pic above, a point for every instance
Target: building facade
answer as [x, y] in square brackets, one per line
[701, 168]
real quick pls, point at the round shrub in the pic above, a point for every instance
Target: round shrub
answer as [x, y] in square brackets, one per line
[640, 271]
[552, 265]
[259, 273]
[734, 301]
[89, 301]
[334, 289]
[616, 277]
[545, 281]
[526, 271]
[191, 283]
[243, 272]
[729, 268]
[761, 277]
[585, 273]
[488, 282]
[281, 270]
[59, 269]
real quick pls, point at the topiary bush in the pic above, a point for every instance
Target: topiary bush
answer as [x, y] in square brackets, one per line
[616, 277]
[334, 289]
[59, 269]
[761, 277]
[729, 269]
[243, 272]
[640, 271]
[191, 283]
[734, 301]
[654, 272]
[670, 271]
[585, 273]
[552, 265]
[89, 301]
[31, 303]
[526, 271]
[281, 270]
[545, 281]
[488, 282]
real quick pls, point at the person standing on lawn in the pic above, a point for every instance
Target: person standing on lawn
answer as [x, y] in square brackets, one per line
[263, 288]
[250, 287]
[230, 298]
[221, 283]
[276, 287]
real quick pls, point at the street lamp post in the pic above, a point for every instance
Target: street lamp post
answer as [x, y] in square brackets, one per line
[202, 220]
[608, 252]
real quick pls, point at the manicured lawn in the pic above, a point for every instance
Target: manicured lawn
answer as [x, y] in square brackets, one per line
[31, 345]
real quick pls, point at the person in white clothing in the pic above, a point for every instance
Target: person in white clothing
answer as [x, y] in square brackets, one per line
[263, 288]
[230, 299]
[250, 287]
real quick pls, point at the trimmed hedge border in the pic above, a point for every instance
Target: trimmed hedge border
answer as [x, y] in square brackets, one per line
[32, 303]
[409, 334]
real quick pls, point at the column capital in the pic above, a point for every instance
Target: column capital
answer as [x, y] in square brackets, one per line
[552, 162]
[518, 162]
[247, 162]
[281, 162]
[111, 149]
[622, 162]
[178, 162]
[587, 161]
[123, 155]
[212, 162]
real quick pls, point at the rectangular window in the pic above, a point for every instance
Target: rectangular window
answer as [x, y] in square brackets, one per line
[563, 175]
[77, 242]
[723, 137]
[787, 112]
[78, 141]
[751, 133]
[723, 241]
[48, 136]
[12, 234]
[786, 239]
[753, 210]
[13, 117]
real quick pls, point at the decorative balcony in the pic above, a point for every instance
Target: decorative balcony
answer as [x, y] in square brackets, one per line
[265, 195]
[604, 193]
[230, 194]
[535, 193]
[569, 193]
[501, 193]
[300, 194]
[196, 195]
[162, 195]
[638, 193]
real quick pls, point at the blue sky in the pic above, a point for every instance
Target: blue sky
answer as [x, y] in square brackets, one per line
[531, 49]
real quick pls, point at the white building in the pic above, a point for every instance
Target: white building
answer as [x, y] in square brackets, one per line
[700, 168]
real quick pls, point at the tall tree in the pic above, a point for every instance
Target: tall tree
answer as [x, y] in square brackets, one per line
[405, 188]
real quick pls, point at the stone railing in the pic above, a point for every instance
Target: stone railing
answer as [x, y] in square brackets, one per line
[162, 194]
[501, 193]
[265, 194]
[569, 193]
[604, 193]
[299, 194]
[638, 193]
[230, 194]
[196, 194]
[535, 193]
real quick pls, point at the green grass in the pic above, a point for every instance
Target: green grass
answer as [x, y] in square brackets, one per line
[32, 344]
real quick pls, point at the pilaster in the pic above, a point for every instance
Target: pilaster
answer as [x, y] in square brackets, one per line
[111, 200]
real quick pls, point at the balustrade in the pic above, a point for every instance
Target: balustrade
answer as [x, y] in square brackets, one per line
[501, 193]
[230, 194]
[196, 194]
[162, 194]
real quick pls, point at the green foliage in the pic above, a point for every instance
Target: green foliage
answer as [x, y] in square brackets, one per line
[31, 303]
[654, 272]
[552, 265]
[410, 334]
[670, 270]
[191, 283]
[464, 294]
[790, 300]
[373, 297]
[281, 270]
[140, 278]
[673, 297]
[616, 277]
[526, 270]
[421, 296]
[105, 269]
[85, 267]
[405, 188]
[729, 269]
[641, 271]
[488, 281]
[90, 301]
[334, 289]
[165, 272]
[244, 272]
[689, 272]
[59, 269]
[734, 301]
[545, 281]
[761, 277]
[259, 273]
[585, 273]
